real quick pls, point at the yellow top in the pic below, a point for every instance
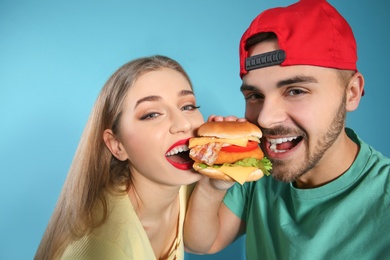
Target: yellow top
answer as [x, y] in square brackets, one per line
[122, 235]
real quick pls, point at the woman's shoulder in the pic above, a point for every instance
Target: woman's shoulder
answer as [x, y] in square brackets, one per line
[121, 236]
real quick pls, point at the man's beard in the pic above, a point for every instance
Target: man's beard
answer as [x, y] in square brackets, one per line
[289, 171]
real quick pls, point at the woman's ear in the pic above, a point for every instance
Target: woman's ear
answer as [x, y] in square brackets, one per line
[114, 145]
[355, 91]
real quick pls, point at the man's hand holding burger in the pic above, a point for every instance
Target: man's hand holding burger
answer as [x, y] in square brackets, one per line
[220, 175]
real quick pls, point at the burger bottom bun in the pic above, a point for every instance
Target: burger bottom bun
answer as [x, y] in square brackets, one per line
[214, 173]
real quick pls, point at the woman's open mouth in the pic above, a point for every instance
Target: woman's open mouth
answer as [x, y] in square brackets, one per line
[178, 156]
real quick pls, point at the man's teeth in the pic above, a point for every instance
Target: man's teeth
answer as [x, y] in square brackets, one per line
[178, 149]
[276, 141]
[281, 140]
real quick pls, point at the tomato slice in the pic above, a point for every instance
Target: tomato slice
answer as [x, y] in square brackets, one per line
[239, 149]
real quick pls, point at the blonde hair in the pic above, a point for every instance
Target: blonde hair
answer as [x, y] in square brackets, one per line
[94, 170]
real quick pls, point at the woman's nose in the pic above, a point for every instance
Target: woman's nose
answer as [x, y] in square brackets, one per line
[180, 123]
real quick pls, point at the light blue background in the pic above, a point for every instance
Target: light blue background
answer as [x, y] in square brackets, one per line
[56, 55]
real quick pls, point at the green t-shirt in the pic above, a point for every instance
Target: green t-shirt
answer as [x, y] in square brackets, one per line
[348, 218]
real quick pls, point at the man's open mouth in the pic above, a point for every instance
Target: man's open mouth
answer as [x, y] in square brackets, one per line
[281, 145]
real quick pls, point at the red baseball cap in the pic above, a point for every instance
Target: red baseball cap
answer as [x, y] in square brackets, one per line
[309, 32]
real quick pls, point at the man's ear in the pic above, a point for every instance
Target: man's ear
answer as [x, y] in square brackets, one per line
[354, 91]
[114, 145]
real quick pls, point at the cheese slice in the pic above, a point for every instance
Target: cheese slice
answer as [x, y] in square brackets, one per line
[205, 140]
[237, 173]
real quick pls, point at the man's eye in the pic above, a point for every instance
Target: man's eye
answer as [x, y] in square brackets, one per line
[295, 92]
[190, 107]
[253, 96]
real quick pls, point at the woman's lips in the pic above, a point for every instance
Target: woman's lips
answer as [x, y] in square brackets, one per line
[178, 155]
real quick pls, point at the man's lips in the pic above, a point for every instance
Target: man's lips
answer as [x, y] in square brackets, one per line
[178, 155]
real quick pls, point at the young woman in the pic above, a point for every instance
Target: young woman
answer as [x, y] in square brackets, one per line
[126, 192]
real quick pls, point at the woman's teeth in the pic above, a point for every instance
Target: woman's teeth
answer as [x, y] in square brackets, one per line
[277, 141]
[178, 149]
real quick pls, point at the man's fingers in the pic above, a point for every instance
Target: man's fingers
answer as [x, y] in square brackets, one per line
[215, 118]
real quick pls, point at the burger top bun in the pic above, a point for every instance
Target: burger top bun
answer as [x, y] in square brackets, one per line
[229, 129]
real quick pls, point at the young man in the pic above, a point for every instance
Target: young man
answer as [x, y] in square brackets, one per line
[329, 194]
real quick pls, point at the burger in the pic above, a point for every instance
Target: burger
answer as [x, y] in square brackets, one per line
[229, 150]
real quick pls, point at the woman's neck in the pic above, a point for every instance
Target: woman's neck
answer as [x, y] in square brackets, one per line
[157, 207]
[153, 201]
[151, 198]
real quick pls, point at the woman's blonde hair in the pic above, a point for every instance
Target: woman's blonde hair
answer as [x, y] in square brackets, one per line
[94, 170]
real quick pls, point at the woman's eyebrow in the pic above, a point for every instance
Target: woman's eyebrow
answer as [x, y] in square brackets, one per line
[157, 98]
[147, 99]
[186, 93]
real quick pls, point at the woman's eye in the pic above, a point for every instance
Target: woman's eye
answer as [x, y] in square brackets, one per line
[190, 107]
[149, 116]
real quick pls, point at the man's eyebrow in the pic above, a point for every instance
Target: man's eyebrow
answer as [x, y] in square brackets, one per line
[246, 87]
[281, 83]
[296, 79]
[157, 98]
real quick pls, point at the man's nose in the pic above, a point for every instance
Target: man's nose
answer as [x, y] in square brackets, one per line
[271, 113]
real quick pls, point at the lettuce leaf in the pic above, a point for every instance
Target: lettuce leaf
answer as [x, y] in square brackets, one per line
[264, 164]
